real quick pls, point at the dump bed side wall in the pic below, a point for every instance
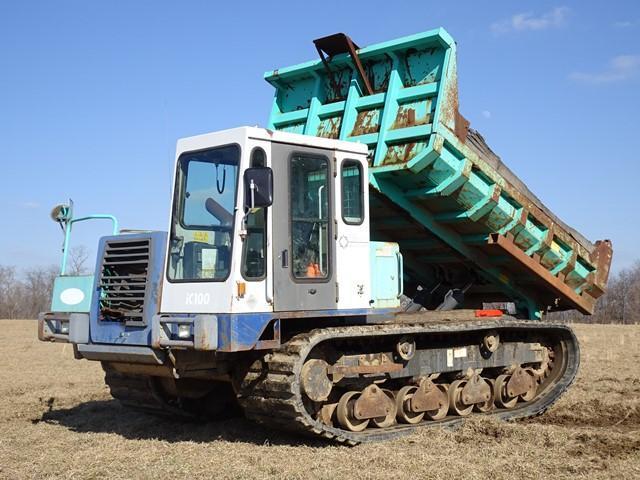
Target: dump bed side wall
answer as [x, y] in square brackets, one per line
[465, 207]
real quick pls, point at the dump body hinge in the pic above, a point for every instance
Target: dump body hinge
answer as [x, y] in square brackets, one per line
[335, 44]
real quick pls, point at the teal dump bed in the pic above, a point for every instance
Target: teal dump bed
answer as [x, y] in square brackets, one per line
[461, 217]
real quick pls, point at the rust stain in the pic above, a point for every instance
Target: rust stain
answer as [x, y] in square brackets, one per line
[584, 303]
[330, 128]
[496, 220]
[413, 56]
[450, 103]
[406, 117]
[338, 91]
[601, 258]
[371, 156]
[524, 240]
[380, 82]
[366, 122]
[549, 259]
[400, 153]
[410, 81]
[461, 128]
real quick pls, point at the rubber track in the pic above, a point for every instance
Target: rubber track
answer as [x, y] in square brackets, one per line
[137, 392]
[271, 393]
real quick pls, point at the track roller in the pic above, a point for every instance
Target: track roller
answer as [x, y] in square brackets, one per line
[390, 418]
[431, 399]
[356, 409]
[345, 415]
[503, 400]
[489, 404]
[440, 412]
[456, 405]
[403, 404]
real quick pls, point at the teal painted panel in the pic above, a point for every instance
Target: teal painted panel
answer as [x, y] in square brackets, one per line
[386, 272]
[406, 76]
[422, 161]
[298, 95]
[72, 294]
[293, 128]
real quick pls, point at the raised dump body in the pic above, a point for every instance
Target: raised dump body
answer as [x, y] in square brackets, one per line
[461, 217]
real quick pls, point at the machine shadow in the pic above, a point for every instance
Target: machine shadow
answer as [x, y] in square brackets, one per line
[109, 416]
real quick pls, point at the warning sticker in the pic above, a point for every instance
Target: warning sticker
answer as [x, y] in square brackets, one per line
[200, 236]
[449, 357]
[460, 352]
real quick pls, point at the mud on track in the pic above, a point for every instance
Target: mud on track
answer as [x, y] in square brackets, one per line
[57, 420]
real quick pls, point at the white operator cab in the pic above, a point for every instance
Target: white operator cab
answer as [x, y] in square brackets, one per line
[308, 250]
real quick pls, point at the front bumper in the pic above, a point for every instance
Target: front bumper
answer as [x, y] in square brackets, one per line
[196, 332]
[63, 327]
[199, 332]
[202, 330]
[53, 327]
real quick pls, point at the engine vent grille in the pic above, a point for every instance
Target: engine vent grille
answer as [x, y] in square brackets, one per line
[123, 280]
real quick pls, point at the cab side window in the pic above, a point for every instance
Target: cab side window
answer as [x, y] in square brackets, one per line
[309, 190]
[352, 192]
[254, 250]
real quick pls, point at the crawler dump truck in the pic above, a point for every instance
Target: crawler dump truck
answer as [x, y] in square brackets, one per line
[364, 266]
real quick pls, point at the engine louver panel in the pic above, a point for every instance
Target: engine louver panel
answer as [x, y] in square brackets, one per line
[123, 281]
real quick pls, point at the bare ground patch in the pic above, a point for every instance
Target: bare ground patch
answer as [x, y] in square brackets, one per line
[57, 420]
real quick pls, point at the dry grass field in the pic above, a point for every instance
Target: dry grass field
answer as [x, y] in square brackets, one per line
[57, 420]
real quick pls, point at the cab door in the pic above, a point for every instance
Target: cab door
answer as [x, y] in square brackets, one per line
[352, 232]
[303, 229]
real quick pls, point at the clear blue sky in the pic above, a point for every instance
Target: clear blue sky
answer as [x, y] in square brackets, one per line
[93, 97]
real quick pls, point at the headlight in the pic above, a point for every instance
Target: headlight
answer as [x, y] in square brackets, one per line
[64, 328]
[184, 331]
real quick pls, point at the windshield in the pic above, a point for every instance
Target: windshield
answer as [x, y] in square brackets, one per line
[203, 215]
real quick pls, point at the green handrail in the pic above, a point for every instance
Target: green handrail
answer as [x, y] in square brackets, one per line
[67, 233]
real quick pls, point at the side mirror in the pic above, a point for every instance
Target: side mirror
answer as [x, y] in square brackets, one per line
[258, 187]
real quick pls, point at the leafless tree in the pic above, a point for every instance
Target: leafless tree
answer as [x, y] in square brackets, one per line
[629, 285]
[27, 295]
[9, 297]
[620, 303]
[76, 262]
[37, 289]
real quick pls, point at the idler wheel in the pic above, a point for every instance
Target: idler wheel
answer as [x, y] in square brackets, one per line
[503, 399]
[456, 405]
[390, 419]
[491, 341]
[315, 381]
[488, 405]
[345, 415]
[403, 407]
[406, 348]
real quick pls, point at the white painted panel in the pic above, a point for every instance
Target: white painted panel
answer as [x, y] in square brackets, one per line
[352, 248]
[72, 296]
[222, 297]
[258, 294]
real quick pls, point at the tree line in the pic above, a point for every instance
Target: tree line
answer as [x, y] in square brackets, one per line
[26, 293]
[620, 303]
